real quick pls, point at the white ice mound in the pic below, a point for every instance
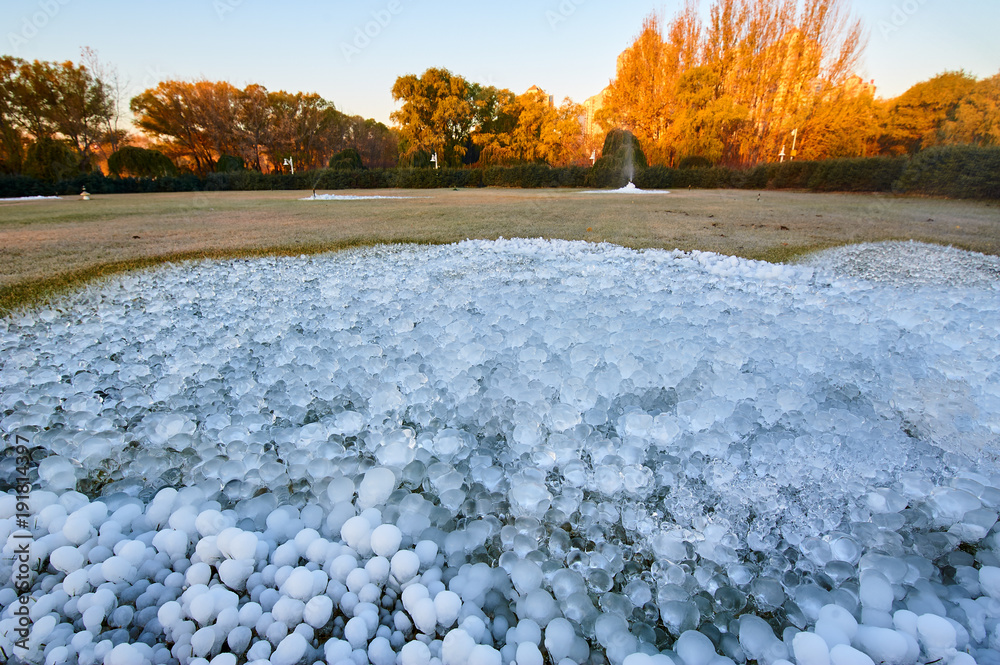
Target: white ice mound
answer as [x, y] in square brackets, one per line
[498, 451]
[630, 188]
[910, 264]
[29, 198]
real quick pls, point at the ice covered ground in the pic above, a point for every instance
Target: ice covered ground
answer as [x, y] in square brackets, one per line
[515, 451]
[352, 197]
[910, 264]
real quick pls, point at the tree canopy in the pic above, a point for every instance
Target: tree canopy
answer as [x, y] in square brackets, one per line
[50, 111]
[469, 123]
[198, 122]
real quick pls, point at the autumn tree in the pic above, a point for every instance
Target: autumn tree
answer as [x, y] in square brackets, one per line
[200, 121]
[734, 89]
[12, 137]
[116, 87]
[977, 118]
[376, 144]
[173, 113]
[915, 119]
[642, 96]
[437, 114]
[57, 104]
[706, 119]
[497, 112]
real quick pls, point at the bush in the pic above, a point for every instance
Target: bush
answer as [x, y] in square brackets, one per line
[875, 174]
[959, 172]
[966, 172]
[694, 162]
[229, 164]
[348, 160]
[48, 159]
[140, 163]
[790, 175]
[17, 186]
[622, 160]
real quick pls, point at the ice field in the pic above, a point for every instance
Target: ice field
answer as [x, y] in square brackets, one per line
[519, 451]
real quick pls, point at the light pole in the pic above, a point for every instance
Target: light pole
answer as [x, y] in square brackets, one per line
[795, 137]
[290, 163]
[434, 160]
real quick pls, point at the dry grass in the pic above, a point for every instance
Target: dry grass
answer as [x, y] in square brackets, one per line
[49, 246]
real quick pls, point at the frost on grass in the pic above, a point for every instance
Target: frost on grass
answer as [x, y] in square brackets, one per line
[541, 452]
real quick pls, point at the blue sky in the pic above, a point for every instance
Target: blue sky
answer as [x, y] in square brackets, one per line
[567, 47]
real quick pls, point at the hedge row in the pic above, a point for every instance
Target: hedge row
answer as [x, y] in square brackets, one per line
[957, 172]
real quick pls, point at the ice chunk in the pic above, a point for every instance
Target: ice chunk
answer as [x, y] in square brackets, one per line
[414, 653]
[526, 576]
[559, 638]
[695, 648]
[290, 650]
[457, 647]
[376, 487]
[66, 559]
[843, 654]
[810, 649]
[883, 645]
[758, 640]
[447, 605]
[385, 540]
[989, 580]
[937, 635]
[404, 565]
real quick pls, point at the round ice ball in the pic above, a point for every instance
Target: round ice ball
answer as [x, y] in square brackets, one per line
[414, 653]
[290, 650]
[356, 532]
[57, 473]
[376, 487]
[404, 565]
[124, 654]
[66, 559]
[385, 540]
[447, 606]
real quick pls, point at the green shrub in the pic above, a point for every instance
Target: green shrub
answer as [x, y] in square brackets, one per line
[17, 186]
[695, 162]
[229, 164]
[48, 159]
[965, 172]
[348, 159]
[875, 174]
[140, 163]
[790, 175]
[622, 160]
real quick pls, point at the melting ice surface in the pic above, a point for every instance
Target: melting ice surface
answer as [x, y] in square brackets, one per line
[513, 451]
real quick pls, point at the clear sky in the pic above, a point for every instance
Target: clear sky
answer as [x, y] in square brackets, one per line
[567, 47]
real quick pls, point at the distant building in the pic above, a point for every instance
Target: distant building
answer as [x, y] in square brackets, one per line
[535, 90]
[857, 86]
[591, 106]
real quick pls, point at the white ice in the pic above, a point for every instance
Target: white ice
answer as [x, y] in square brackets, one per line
[530, 450]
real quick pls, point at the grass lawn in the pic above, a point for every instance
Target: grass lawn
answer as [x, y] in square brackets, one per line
[50, 246]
